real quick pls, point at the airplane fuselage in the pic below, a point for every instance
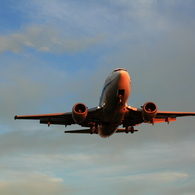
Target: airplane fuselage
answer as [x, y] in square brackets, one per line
[115, 94]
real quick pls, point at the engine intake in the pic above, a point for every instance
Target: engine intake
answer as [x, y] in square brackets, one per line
[79, 112]
[149, 110]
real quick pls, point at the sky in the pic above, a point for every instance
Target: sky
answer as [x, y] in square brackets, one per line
[55, 53]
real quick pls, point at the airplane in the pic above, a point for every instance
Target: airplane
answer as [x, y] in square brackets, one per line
[112, 111]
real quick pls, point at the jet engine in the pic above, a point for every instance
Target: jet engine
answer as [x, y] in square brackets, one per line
[79, 112]
[149, 110]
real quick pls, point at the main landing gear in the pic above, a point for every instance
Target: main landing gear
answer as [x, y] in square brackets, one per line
[130, 129]
[94, 128]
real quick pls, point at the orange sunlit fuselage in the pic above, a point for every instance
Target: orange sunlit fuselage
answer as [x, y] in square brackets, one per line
[115, 94]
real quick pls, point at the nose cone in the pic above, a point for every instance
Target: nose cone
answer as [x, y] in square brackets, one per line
[123, 77]
[124, 73]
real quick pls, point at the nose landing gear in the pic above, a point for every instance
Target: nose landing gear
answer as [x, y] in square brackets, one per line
[120, 100]
[121, 93]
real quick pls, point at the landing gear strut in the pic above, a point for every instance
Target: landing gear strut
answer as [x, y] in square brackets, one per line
[120, 100]
[121, 93]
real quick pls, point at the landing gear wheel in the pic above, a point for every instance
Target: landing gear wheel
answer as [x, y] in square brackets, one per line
[129, 129]
[132, 130]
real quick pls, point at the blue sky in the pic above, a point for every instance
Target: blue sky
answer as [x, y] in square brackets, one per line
[57, 53]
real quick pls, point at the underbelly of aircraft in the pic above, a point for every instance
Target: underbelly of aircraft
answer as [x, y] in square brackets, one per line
[107, 130]
[114, 107]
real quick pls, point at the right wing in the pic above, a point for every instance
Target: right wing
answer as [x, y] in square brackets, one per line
[64, 118]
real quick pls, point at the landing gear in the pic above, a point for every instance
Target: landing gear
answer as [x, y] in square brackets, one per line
[94, 128]
[130, 129]
[121, 93]
[120, 99]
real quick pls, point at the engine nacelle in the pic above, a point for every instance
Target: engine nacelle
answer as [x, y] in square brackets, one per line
[79, 112]
[149, 110]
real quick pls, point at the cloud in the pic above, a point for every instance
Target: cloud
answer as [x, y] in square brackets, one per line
[115, 19]
[44, 38]
[118, 161]
[33, 183]
[159, 177]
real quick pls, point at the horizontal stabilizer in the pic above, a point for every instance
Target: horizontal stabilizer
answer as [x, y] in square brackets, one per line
[81, 131]
[88, 131]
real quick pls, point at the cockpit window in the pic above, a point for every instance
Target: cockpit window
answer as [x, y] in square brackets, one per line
[119, 69]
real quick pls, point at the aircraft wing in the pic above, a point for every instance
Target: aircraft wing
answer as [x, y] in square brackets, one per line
[165, 114]
[55, 118]
[134, 116]
[64, 118]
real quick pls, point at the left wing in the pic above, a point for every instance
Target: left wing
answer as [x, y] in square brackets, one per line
[166, 116]
[64, 118]
[135, 116]
[55, 118]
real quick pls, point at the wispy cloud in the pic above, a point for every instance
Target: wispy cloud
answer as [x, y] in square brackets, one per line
[31, 183]
[45, 39]
[159, 177]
